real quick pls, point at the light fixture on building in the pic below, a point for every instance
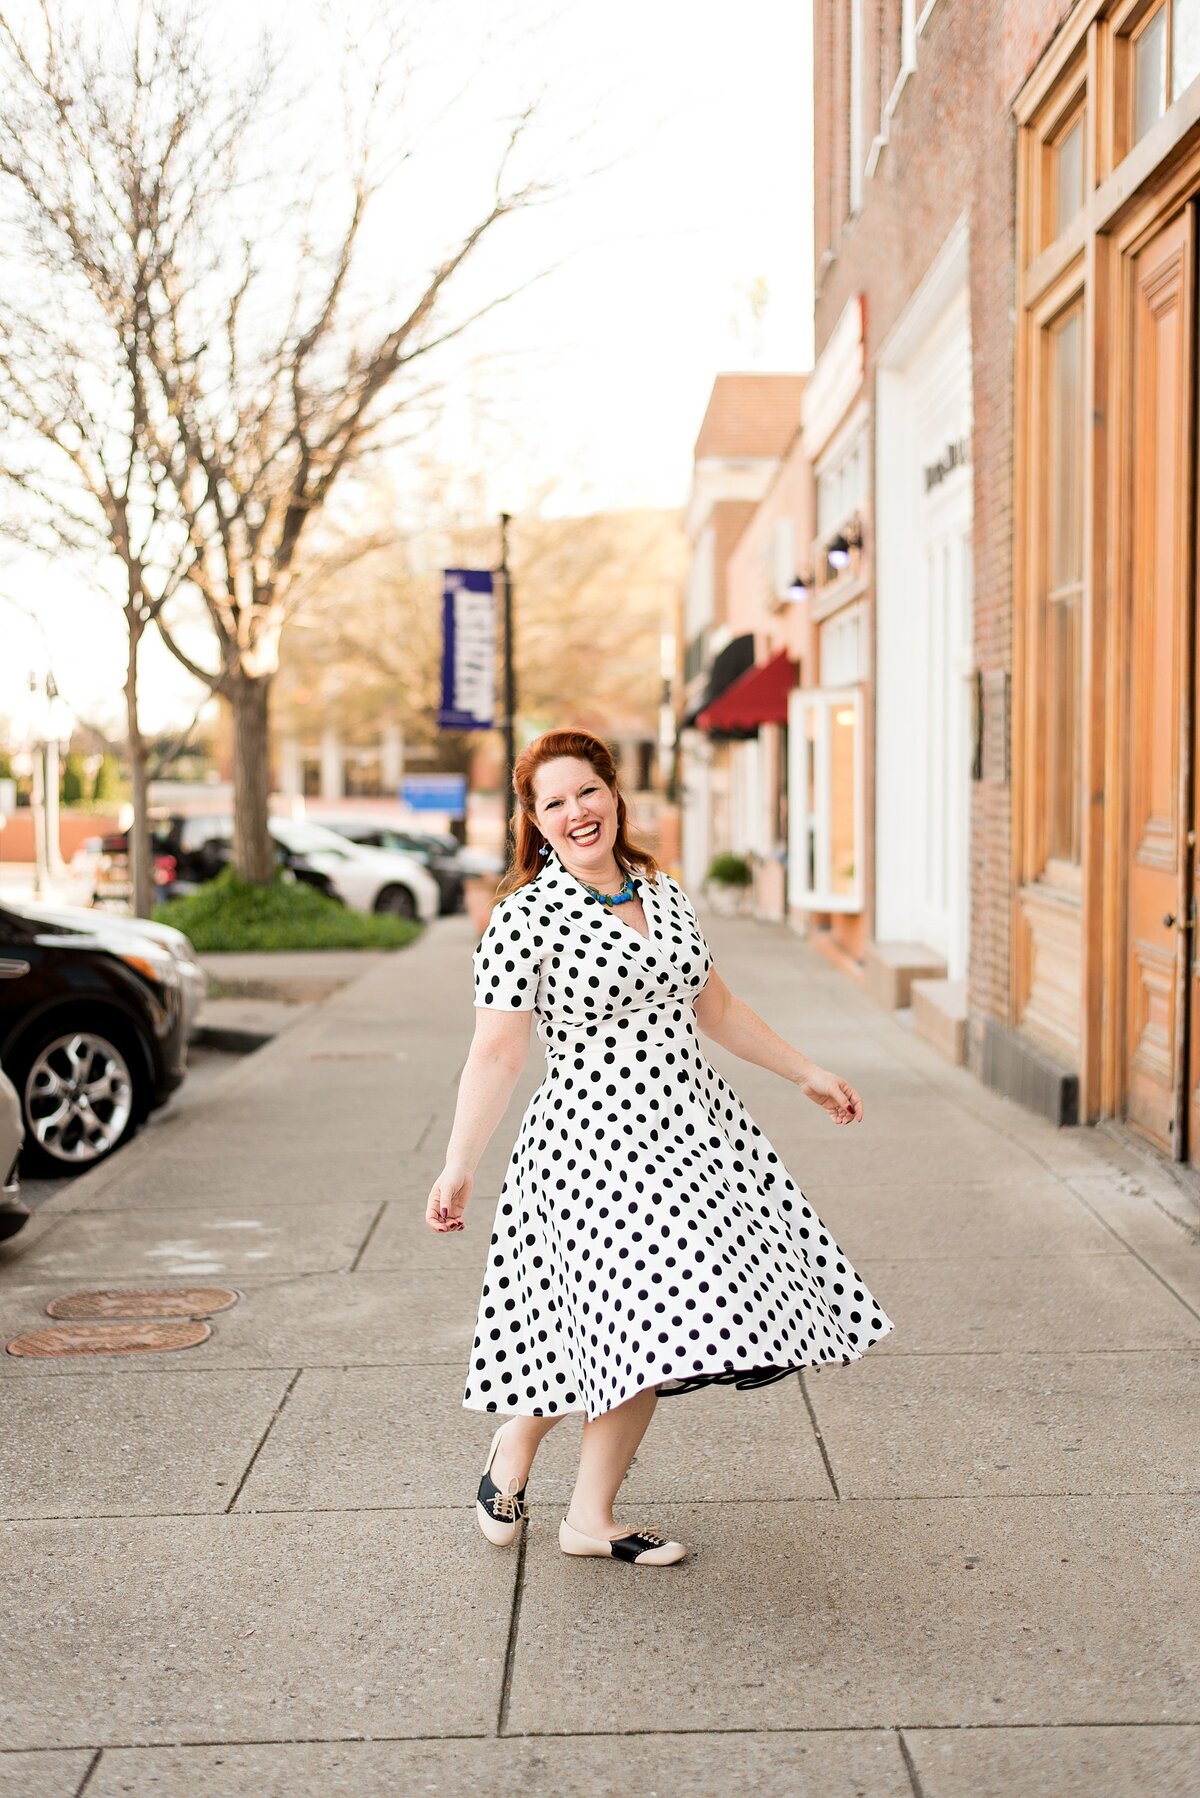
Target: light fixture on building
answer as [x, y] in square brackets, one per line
[799, 587]
[839, 547]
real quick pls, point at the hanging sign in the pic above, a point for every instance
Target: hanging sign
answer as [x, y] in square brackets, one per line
[956, 454]
[468, 650]
[436, 793]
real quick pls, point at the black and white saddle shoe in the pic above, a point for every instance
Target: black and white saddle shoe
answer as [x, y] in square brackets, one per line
[645, 1548]
[499, 1513]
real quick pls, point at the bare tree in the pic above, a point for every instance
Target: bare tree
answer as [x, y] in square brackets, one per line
[196, 344]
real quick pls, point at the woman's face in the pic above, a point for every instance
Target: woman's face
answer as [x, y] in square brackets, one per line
[577, 814]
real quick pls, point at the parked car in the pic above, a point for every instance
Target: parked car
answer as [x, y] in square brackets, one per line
[93, 1031]
[186, 851]
[448, 860]
[196, 849]
[368, 879]
[14, 1213]
[193, 979]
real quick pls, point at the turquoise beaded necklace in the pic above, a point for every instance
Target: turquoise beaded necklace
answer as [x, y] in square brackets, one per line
[628, 891]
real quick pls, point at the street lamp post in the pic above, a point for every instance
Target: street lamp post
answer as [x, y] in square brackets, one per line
[57, 730]
[510, 687]
[37, 790]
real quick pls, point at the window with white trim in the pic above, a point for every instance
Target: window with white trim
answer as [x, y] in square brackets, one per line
[825, 799]
[843, 647]
[841, 482]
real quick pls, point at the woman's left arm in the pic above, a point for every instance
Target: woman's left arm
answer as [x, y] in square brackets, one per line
[730, 1022]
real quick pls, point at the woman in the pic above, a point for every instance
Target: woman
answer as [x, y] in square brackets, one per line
[648, 1239]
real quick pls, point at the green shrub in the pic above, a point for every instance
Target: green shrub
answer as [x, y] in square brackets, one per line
[730, 870]
[229, 913]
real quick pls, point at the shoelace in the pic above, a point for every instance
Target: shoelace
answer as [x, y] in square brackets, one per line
[651, 1536]
[509, 1506]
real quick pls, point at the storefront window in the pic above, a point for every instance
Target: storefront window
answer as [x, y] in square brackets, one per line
[843, 870]
[1185, 45]
[1068, 176]
[1166, 59]
[1149, 73]
[826, 811]
[1065, 449]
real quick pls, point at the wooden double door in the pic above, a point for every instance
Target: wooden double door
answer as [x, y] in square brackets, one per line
[1161, 998]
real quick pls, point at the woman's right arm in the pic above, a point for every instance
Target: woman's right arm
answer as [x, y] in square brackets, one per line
[499, 1050]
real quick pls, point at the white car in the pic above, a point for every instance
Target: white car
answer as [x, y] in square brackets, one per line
[382, 880]
[14, 1214]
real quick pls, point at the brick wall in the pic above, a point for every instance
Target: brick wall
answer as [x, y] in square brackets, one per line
[950, 150]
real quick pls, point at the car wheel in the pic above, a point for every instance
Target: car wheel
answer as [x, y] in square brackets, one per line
[81, 1095]
[397, 902]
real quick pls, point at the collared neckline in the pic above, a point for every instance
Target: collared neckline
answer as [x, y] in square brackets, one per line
[555, 874]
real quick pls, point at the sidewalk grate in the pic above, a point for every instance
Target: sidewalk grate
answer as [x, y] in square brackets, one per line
[178, 1301]
[110, 1338]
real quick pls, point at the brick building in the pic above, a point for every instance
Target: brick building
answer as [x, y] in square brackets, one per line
[1005, 207]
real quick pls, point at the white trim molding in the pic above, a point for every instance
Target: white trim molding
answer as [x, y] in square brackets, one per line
[942, 279]
[835, 381]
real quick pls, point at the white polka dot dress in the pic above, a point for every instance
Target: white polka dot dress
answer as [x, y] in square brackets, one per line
[647, 1234]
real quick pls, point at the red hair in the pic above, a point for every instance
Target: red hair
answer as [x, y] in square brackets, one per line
[527, 861]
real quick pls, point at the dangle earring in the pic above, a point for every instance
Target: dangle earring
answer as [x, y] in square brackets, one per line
[544, 851]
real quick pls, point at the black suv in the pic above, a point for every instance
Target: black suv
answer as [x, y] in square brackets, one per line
[92, 1034]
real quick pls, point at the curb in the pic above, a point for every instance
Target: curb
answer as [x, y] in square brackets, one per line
[228, 1040]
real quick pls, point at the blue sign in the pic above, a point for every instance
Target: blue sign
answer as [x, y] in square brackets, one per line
[436, 793]
[468, 650]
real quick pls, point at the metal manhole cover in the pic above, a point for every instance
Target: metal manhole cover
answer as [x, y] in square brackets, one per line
[110, 1339]
[175, 1301]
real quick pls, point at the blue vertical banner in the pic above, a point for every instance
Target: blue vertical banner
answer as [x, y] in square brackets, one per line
[468, 650]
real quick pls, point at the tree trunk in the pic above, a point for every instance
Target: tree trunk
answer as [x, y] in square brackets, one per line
[141, 895]
[253, 852]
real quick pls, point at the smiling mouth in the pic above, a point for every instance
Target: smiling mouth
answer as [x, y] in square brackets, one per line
[586, 835]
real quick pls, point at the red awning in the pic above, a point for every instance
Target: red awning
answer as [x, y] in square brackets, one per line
[760, 696]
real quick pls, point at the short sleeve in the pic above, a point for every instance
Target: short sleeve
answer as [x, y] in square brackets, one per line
[507, 962]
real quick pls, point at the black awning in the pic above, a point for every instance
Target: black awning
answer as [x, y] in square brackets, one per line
[729, 664]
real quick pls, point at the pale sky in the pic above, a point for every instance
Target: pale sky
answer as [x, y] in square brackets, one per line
[594, 383]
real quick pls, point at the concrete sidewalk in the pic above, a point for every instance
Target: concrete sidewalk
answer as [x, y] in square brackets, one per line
[965, 1565]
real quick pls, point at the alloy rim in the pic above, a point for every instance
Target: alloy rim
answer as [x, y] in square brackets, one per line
[78, 1097]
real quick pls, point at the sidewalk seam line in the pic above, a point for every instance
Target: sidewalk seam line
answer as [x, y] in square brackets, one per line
[1187, 1346]
[1136, 1253]
[854, 1498]
[510, 1647]
[910, 1766]
[365, 1243]
[601, 1735]
[262, 1442]
[816, 1428]
[82, 1787]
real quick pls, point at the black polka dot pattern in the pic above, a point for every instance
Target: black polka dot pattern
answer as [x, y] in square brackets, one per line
[647, 1233]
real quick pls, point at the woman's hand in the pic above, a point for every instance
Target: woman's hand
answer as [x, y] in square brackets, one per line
[835, 1096]
[448, 1200]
